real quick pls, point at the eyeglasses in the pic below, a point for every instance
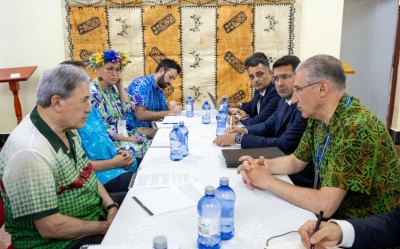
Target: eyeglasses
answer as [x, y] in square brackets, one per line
[297, 89]
[282, 77]
[111, 70]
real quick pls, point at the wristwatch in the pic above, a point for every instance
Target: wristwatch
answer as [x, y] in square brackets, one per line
[238, 138]
[111, 206]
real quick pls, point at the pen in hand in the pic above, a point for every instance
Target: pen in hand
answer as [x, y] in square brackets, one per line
[321, 214]
[230, 125]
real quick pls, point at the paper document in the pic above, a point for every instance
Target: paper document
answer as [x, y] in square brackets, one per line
[170, 246]
[162, 180]
[15, 75]
[159, 144]
[170, 199]
[293, 245]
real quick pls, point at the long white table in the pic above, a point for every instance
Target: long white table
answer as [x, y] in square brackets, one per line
[259, 214]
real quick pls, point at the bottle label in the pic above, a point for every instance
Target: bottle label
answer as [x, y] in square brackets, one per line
[189, 108]
[208, 227]
[174, 145]
[206, 113]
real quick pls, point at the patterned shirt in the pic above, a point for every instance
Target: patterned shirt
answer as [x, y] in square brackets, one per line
[111, 108]
[147, 94]
[360, 157]
[41, 177]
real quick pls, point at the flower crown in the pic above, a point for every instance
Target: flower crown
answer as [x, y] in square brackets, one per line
[97, 60]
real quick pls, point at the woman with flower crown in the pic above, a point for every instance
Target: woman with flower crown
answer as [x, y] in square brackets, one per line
[110, 98]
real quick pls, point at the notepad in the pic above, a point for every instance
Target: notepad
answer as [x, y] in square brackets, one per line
[293, 245]
[232, 156]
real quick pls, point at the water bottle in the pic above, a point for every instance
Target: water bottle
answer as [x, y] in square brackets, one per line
[175, 141]
[209, 210]
[221, 121]
[206, 112]
[224, 103]
[226, 197]
[189, 107]
[185, 138]
[160, 242]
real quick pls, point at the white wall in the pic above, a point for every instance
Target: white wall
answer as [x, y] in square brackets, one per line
[369, 28]
[31, 34]
[321, 28]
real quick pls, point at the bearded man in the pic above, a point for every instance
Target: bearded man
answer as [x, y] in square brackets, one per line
[151, 104]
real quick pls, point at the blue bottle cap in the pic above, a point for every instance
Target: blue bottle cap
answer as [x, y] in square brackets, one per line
[209, 190]
[160, 242]
[224, 181]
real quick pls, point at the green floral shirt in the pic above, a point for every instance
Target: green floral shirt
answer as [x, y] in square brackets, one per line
[360, 157]
[40, 176]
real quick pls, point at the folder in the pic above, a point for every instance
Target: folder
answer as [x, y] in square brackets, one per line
[232, 155]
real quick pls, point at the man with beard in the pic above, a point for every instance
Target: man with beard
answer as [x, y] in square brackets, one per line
[151, 104]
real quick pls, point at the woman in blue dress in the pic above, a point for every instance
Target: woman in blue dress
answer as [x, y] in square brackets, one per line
[110, 99]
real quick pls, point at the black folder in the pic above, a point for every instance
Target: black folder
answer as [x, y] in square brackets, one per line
[232, 155]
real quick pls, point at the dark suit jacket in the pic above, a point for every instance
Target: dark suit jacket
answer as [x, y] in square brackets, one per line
[284, 132]
[267, 106]
[378, 231]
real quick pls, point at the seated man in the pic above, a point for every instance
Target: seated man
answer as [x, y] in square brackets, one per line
[51, 195]
[381, 230]
[283, 129]
[265, 100]
[114, 169]
[150, 100]
[355, 160]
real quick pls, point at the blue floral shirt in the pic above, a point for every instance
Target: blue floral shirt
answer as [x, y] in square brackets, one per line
[146, 93]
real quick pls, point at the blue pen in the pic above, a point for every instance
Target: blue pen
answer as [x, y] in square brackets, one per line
[169, 123]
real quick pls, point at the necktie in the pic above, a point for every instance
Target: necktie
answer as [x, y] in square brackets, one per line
[285, 109]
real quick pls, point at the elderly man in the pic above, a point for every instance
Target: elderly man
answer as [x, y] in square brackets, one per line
[283, 129]
[355, 160]
[150, 100]
[51, 195]
[265, 100]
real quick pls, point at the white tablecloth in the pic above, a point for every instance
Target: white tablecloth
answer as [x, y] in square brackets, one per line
[259, 214]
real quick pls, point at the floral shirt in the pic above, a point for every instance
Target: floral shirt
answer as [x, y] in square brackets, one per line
[146, 93]
[110, 107]
[360, 157]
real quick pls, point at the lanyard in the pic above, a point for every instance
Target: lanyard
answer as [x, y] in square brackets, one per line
[105, 97]
[319, 157]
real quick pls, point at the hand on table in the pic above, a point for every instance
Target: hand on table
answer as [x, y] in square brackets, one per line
[329, 234]
[236, 129]
[225, 139]
[173, 111]
[254, 172]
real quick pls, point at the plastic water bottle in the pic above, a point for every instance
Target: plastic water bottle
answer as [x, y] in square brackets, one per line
[189, 107]
[209, 210]
[221, 122]
[185, 138]
[226, 197]
[160, 242]
[206, 112]
[224, 103]
[175, 140]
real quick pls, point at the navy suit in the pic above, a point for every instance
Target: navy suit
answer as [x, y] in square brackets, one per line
[268, 106]
[382, 230]
[283, 131]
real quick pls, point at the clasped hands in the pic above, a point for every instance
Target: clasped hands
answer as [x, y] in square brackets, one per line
[254, 172]
[124, 159]
[174, 108]
[233, 119]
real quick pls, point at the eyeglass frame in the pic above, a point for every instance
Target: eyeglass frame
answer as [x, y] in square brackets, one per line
[296, 88]
[116, 70]
[281, 77]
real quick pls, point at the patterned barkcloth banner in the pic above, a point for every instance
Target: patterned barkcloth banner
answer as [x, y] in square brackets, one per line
[210, 39]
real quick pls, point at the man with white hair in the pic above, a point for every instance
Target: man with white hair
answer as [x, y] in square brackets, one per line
[51, 195]
[357, 170]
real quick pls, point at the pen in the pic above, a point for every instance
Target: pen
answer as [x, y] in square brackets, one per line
[169, 123]
[230, 125]
[321, 214]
